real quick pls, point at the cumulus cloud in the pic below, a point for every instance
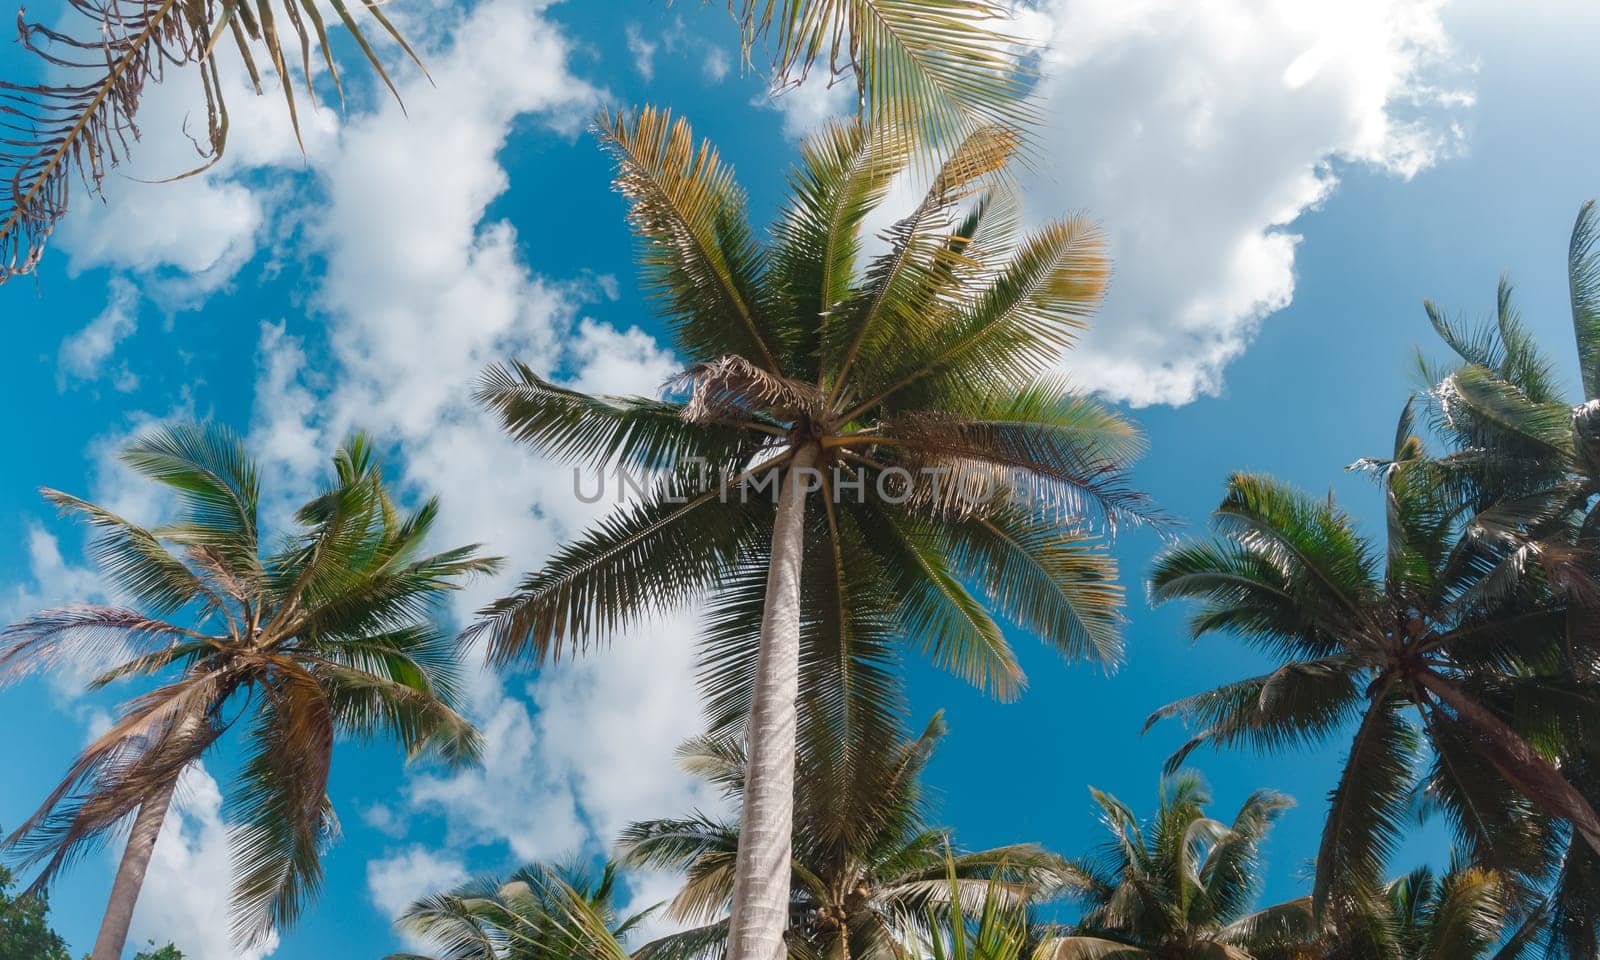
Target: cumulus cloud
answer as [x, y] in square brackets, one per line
[189, 237]
[420, 292]
[1197, 133]
[84, 354]
[394, 882]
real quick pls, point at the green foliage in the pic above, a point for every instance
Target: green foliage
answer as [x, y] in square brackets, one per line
[1180, 886]
[937, 355]
[331, 630]
[168, 952]
[869, 868]
[539, 912]
[25, 932]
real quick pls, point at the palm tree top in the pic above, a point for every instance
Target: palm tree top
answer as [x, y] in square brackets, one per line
[541, 911]
[1180, 885]
[868, 865]
[933, 359]
[332, 630]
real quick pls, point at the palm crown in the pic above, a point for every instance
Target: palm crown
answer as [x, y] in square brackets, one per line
[1180, 886]
[539, 912]
[1465, 913]
[910, 395]
[868, 871]
[328, 633]
[930, 357]
[1447, 627]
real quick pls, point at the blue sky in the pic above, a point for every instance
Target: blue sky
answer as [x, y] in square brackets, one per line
[1283, 185]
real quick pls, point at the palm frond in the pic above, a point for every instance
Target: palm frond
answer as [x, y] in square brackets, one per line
[84, 125]
[638, 432]
[1365, 810]
[700, 260]
[946, 65]
[1583, 276]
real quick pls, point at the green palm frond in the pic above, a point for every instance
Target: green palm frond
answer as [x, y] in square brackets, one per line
[945, 65]
[1366, 809]
[1053, 581]
[639, 432]
[701, 261]
[645, 558]
[1583, 277]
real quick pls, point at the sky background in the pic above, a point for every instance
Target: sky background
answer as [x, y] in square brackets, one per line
[1282, 183]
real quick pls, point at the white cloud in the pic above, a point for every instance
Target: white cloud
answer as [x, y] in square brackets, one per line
[394, 882]
[189, 884]
[1197, 132]
[716, 64]
[189, 237]
[674, 38]
[418, 298]
[643, 51]
[83, 355]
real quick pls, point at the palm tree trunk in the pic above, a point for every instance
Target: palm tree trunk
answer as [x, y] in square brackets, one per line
[761, 871]
[130, 875]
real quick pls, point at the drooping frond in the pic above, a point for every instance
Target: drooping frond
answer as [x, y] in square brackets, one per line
[637, 432]
[84, 122]
[947, 65]
[1366, 810]
[1057, 582]
[155, 738]
[643, 558]
[283, 815]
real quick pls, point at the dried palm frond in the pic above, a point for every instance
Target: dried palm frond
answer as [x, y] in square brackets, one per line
[82, 121]
[733, 387]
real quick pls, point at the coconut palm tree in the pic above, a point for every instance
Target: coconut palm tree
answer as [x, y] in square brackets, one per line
[866, 863]
[1181, 886]
[1526, 456]
[1466, 913]
[528, 915]
[83, 121]
[1451, 629]
[913, 397]
[327, 633]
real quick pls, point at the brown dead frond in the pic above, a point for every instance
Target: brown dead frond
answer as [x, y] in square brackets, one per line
[732, 387]
[82, 121]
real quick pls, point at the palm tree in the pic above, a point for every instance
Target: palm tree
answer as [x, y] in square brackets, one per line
[528, 915]
[911, 395]
[1181, 886]
[866, 863]
[1450, 628]
[1526, 456]
[329, 633]
[84, 123]
[943, 65]
[1467, 913]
